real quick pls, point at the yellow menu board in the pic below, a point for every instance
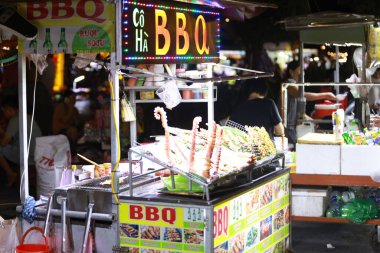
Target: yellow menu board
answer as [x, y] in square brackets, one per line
[154, 228]
[255, 221]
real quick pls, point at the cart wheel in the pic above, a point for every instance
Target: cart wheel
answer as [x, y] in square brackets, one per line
[373, 240]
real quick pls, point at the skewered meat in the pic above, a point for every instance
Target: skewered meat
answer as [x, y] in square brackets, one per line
[152, 233]
[196, 122]
[159, 113]
[173, 235]
[218, 149]
[129, 231]
[210, 149]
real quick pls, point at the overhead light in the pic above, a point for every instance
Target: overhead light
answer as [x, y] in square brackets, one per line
[227, 20]
[77, 80]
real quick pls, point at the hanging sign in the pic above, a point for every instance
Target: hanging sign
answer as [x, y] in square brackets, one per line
[70, 26]
[169, 32]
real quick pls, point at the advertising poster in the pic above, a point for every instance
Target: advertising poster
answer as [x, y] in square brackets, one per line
[256, 221]
[169, 32]
[160, 229]
[69, 26]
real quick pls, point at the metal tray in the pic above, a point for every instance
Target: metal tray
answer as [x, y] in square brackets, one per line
[237, 177]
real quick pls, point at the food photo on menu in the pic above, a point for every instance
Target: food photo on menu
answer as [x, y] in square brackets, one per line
[150, 232]
[266, 194]
[281, 187]
[279, 247]
[252, 236]
[236, 243]
[287, 215]
[133, 250]
[279, 219]
[150, 251]
[173, 235]
[129, 230]
[194, 236]
[252, 203]
[265, 228]
[222, 248]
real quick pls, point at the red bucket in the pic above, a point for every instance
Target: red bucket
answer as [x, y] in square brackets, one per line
[33, 248]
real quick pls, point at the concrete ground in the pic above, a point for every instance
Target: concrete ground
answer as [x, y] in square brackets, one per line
[345, 238]
[306, 237]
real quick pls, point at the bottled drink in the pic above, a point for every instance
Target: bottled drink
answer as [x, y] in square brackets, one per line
[336, 197]
[334, 210]
[62, 44]
[199, 214]
[33, 45]
[359, 210]
[48, 45]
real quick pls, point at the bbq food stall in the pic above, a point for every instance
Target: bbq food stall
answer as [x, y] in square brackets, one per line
[235, 198]
[219, 190]
[226, 197]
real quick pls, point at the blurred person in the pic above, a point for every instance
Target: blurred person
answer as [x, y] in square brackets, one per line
[258, 110]
[9, 139]
[66, 118]
[374, 92]
[293, 104]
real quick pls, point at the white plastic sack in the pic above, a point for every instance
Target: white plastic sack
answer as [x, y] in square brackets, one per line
[8, 235]
[52, 155]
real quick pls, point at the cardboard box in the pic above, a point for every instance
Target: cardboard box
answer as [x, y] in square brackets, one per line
[360, 160]
[318, 159]
[309, 202]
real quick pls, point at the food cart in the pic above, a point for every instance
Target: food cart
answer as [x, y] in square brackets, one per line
[247, 210]
[337, 164]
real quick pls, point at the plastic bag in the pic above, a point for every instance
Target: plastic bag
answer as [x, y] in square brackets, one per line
[51, 154]
[181, 184]
[8, 235]
[359, 210]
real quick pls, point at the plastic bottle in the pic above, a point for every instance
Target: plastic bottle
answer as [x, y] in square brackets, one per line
[359, 210]
[334, 210]
[347, 196]
[336, 197]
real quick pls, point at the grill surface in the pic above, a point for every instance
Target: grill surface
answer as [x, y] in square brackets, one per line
[96, 184]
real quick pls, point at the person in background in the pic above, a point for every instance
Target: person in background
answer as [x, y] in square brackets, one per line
[9, 139]
[65, 118]
[374, 92]
[294, 96]
[258, 110]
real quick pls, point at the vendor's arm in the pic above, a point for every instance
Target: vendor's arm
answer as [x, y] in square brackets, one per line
[279, 129]
[293, 90]
[313, 96]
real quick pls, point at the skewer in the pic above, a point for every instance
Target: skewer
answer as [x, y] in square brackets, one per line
[88, 160]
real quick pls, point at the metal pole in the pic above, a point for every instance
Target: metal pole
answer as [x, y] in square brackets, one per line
[23, 135]
[63, 221]
[336, 76]
[133, 124]
[364, 77]
[210, 97]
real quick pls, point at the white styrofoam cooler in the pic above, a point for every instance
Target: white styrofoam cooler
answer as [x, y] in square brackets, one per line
[318, 159]
[360, 160]
[309, 202]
